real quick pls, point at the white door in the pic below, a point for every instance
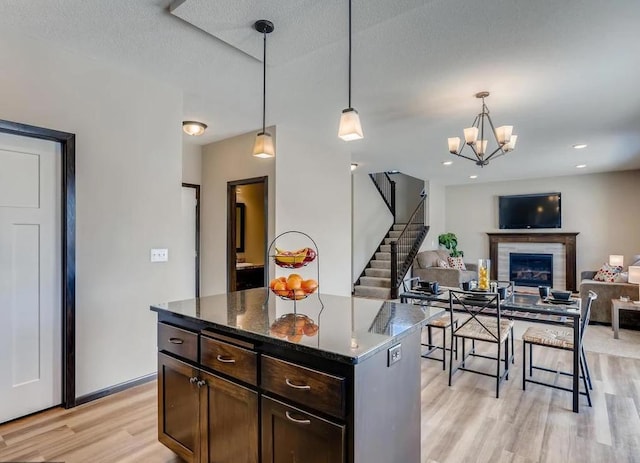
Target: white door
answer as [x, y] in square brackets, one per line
[30, 276]
[187, 253]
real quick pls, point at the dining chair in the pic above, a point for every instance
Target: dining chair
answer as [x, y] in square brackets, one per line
[443, 322]
[484, 323]
[558, 338]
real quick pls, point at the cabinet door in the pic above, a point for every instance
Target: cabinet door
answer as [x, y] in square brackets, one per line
[290, 435]
[178, 407]
[229, 421]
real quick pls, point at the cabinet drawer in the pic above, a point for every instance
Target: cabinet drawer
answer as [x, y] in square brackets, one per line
[177, 341]
[312, 388]
[290, 434]
[231, 360]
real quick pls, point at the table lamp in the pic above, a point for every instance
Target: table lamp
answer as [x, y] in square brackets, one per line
[634, 277]
[616, 260]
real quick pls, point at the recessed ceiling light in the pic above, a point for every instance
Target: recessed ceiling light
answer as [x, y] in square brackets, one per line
[473, 176]
[447, 163]
[580, 146]
[581, 166]
[354, 166]
[394, 171]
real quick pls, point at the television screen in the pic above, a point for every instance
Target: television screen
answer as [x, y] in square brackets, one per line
[530, 211]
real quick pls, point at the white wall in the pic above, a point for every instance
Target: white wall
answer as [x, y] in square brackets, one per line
[436, 214]
[224, 161]
[128, 175]
[408, 191]
[603, 208]
[371, 221]
[191, 163]
[314, 188]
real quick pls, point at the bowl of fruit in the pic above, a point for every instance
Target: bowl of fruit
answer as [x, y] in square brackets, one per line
[293, 326]
[293, 287]
[294, 259]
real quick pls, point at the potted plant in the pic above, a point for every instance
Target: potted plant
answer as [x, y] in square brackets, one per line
[450, 241]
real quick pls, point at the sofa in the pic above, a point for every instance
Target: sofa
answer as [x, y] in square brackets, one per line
[601, 307]
[425, 267]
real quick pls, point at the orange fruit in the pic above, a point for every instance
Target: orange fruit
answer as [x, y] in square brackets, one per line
[273, 282]
[280, 289]
[309, 286]
[294, 281]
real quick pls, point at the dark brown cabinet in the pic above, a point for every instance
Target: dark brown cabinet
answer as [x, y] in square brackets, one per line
[204, 418]
[178, 407]
[290, 435]
[229, 421]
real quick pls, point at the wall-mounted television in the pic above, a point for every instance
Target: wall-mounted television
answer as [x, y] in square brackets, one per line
[540, 210]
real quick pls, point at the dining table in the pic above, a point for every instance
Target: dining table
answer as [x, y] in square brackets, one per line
[519, 306]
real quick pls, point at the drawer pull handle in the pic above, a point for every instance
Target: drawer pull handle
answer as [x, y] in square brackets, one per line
[291, 418]
[176, 341]
[201, 383]
[193, 379]
[303, 387]
[220, 358]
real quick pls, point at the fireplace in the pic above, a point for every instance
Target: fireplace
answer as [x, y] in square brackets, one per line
[531, 269]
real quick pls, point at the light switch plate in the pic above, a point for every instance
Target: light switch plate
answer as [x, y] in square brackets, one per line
[394, 354]
[159, 255]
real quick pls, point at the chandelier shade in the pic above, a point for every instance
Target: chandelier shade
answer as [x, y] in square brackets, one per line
[474, 137]
[263, 146]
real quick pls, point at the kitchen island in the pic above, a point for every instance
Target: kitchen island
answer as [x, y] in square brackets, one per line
[241, 378]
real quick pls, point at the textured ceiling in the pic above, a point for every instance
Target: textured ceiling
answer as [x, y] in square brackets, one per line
[560, 72]
[307, 25]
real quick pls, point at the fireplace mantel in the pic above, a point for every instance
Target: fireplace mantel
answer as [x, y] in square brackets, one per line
[567, 239]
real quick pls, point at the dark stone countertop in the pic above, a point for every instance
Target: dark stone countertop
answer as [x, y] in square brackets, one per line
[348, 329]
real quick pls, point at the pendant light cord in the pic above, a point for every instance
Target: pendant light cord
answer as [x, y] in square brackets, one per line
[264, 80]
[349, 53]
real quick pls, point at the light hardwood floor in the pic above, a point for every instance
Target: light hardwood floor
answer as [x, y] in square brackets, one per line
[464, 423]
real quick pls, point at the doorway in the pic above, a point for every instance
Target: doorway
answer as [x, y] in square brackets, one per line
[190, 240]
[247, 233]
[37, 244]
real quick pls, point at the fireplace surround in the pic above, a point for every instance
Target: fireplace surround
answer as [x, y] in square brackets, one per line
[568, 240]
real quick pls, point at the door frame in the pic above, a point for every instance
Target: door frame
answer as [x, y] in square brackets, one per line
[197, 188]
[67, 143]
[231, 227]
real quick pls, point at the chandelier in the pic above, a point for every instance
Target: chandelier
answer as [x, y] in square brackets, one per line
[474, 136]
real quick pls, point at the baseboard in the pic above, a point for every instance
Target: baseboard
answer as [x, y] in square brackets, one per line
[114, 389]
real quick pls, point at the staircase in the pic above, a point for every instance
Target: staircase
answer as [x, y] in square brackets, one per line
[393, 258]
[376, 279]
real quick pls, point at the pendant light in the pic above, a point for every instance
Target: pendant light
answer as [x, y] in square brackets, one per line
[350, 127]
[263, 147]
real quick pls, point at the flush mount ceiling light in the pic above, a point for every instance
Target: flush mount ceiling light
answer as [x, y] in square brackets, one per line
[263, 147]
[194, 128]
[474, 137]
[350, 128]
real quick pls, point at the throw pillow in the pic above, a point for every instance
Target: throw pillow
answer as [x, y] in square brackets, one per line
[622, 277]
[456, 262]
[443, 263]
[607, 273]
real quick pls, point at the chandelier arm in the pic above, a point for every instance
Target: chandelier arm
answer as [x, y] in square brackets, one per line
[466, 157]
[493, 129]
[494, 154]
